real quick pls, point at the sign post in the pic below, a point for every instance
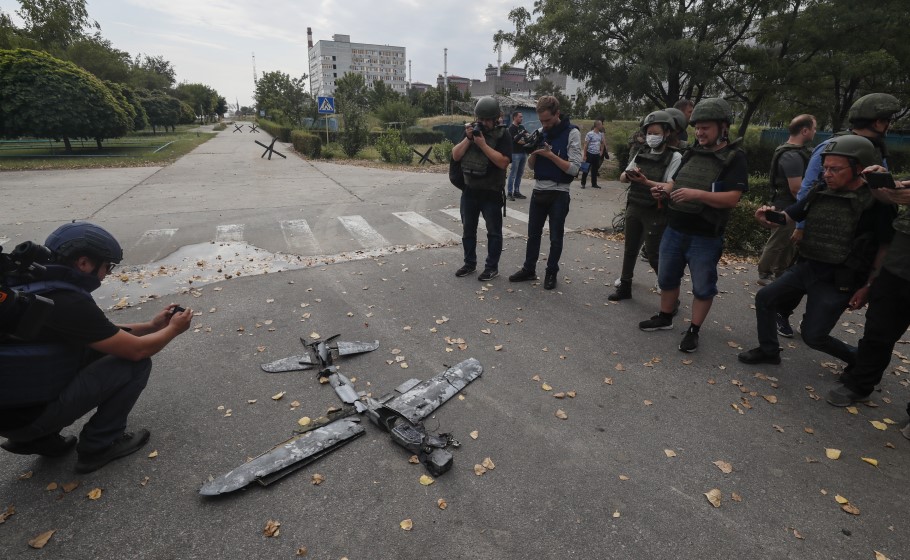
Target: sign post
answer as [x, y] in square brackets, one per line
[326, 106]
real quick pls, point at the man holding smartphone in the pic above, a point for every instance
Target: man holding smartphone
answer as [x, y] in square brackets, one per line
[846, 235]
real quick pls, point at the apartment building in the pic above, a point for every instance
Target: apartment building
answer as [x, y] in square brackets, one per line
[330, 60]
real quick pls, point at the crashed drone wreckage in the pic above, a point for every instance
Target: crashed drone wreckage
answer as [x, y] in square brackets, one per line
[400, 413]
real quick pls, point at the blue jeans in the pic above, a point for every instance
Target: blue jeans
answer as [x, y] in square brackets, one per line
[701, 254]
[552, 205]
[516, 171]
[824, 306]
[472, 206]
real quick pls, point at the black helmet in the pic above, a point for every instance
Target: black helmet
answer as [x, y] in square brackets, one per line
[487, 108]
[854, 147]
[658, 117]
[84, 238]
[874, 106]
[712, 109]
[679, 118]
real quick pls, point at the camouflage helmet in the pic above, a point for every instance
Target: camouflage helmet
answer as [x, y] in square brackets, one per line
[854, 147]
[874, 106]
[712, 109]
[487, 108]
[680, 122]
[658, 117]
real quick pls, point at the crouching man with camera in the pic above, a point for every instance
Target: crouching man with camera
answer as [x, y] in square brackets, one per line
[484, 154]
[79, 360]
[555, 162]
[846, 237]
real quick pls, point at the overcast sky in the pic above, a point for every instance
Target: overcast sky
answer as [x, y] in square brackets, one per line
[212, 41]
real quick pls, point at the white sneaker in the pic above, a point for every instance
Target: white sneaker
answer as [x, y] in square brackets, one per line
[617, 282]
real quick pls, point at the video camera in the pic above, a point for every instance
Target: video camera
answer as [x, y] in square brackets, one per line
[533, 141]
[21, 314]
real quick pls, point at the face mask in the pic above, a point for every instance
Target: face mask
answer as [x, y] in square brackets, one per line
[654, 140]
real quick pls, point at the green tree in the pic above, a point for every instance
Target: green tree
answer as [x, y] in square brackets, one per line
[200, 97]
[55, 24]
[399, 111]
[162, 109]
[545, 86]
[431, 102]
[140, 118]
[46, 97]
[97, 55]
[279, 94]
[151, 73]
[656, 49]
[352, 100]
[382, 94]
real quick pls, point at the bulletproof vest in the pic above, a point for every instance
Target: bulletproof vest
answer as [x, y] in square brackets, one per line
[700, 168]
[32, 372]
[653, 166]
[781, 197]
[829, 235]
[558, 139]
[479, 172]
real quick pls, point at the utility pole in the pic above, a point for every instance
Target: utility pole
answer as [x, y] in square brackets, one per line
[445, 79]
[255, 77]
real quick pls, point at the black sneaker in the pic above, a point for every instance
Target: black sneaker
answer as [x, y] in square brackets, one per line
[520, 196]
[549, 281]
[582, 185]
[623, 291]
[488, 274]
[656, 323]
[465, 270]
[127, 444]
[523, 276]
[842, 396]
[758, 356]
[53, 445]
[511, 198]
[595, 186]
[783, 326]
[689, 342]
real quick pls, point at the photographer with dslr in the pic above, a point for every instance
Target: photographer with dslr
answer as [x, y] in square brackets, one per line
[484, 155]
[846, 236]
[79, 360]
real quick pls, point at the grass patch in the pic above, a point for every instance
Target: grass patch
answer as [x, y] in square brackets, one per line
[134, 150]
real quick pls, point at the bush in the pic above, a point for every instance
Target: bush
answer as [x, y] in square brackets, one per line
[418, 135]
[356, 134]
[743, 235]
[219, 126]
[282, 133]
[398, 111]
[393, 149]
[307, 144]
[442, 152]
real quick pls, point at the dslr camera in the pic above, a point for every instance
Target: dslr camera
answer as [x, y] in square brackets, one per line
[21, 314]
[533, 141]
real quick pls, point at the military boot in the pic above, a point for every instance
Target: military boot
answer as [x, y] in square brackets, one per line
[623, 291]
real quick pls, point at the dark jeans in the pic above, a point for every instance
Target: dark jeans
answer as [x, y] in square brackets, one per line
[886, 322]
[546, 205]
[472, 206]
[110, 384]
[595, 161]
[516, 171]
[824, 306]
[644, 226]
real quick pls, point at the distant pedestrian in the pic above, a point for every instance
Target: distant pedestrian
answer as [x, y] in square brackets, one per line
[518, 133]
[593, 152]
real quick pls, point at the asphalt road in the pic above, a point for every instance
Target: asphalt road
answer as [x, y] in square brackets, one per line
[597, 484]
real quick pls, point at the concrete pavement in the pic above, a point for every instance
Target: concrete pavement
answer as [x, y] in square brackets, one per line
[599, 484]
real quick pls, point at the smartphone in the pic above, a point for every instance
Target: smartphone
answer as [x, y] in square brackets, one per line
[879, 180]
[778, 218]
[177, 309]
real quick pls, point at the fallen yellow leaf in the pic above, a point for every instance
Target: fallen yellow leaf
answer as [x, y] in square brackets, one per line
[561, 414]
[10, 511]
[623, 477]
[426, 480]
[153, 454]
[317, 479]
[669, 453]
[52, 486]
[608, 380]
[41, 540]
[852, 410]
[724, 467]
[833, 454]
[879, 555]
[620, 367]
[441, 503]
[498, 347]
[714, 497]
[70, 486]
[736, 497]
[488, 464]
[873, 462]
[841, 500]
[850, 508]
[616, 514]
[571, 394]
[559, 395]
[770, 398]
[305, 421]
[314, 335]
[546, 387]
[278, 396]
[407, 524]
[302, 551]
[479, 470]
[271, 528]
[414, 460]
[94, 494]
[26, 475]
[879, 425]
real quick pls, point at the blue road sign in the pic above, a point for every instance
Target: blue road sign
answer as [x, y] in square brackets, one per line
[326, 105]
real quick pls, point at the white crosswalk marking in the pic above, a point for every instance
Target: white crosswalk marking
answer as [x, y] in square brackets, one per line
[456, 213]
[435, 232]
[153, 235]
[229, 232]
[298, 235]
[522, 217]
[363, 233]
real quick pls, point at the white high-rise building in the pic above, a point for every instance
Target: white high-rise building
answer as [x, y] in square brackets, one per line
[330, 60]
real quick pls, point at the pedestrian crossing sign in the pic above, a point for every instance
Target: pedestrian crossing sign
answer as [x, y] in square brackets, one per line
[326, 105]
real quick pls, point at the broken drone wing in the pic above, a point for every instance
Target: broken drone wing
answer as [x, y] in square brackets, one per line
[286, 457]
[420, 400]
[292, 363]
[348, 348]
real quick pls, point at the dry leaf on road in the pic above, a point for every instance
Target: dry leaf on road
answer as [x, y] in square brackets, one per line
[546, 387]
[441, 503]
[841, 500]
[41, 540]
[278, 396]
[669, 453]
[736, 497]
[850, 508]
[879, 425]
[561, 414]
[407, 524]
[770, 398]
[714, 497]
[70, 486]
[488, 464]
[51, 487]
[615, 514]
[474, 434]
[94, 494]
[873, 462]
[479, 470]
[414, 460]
[271, 528]
[833, 454]
[10, 511]
[426, 480]
[724, 466]
[153, 454]
[317, 479]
